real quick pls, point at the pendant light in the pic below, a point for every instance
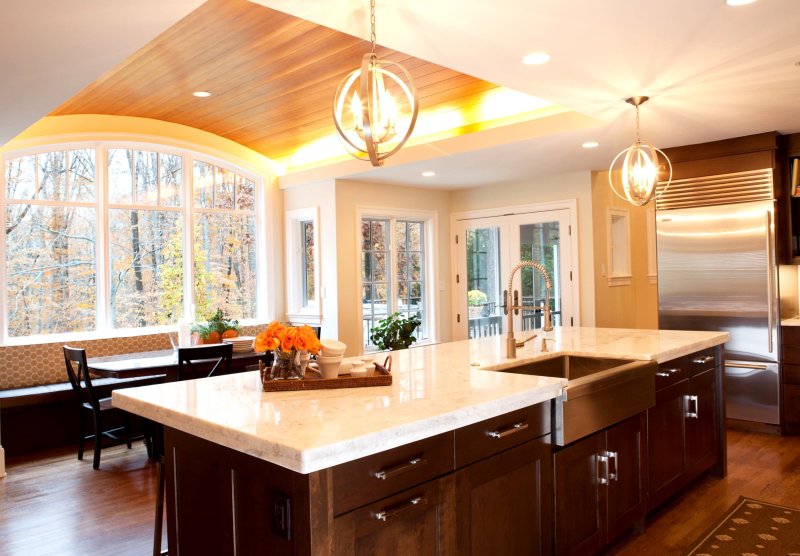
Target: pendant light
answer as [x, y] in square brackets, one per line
[375, 107]
[635, 180]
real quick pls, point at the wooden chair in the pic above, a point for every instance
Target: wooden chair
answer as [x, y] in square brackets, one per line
[193, 362]
[100, 409]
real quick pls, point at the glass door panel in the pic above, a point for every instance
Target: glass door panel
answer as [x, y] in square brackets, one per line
[484, 281]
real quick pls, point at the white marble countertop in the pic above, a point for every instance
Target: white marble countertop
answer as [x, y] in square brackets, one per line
[436, 388]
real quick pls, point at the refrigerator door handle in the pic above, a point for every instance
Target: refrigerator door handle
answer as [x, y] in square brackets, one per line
[760, 366]
[770, 292]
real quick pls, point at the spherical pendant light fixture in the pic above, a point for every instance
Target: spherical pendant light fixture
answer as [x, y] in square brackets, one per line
[375, 107]
[636, 178]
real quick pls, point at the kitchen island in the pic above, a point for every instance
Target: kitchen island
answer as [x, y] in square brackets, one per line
[334, 471]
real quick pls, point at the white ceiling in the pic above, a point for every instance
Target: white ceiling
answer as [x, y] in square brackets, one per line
[712, 71]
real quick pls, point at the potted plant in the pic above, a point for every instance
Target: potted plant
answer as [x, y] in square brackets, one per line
[216, 329]
[395, 331]
[476, 299]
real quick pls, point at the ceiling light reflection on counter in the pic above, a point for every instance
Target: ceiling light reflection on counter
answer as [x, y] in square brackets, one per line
[590, 145]
[375, 106]
[428, 174]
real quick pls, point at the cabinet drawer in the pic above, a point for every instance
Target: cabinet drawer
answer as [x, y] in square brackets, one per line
[671, 372]
[365, 480]
[494, 435]
[702, 361]
[791, 374]
[790, 344]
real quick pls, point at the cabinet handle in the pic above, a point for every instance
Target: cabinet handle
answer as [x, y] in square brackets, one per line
[602, 462]
[667, 372]
[703, 360]
[500, 433]
[613, 473]
[692, 407]
[390, 472]
[394, 511]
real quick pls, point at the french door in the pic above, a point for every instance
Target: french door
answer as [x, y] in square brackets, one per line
[488, 248]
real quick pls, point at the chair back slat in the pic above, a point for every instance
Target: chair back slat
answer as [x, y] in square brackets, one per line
[79, 377]
[218, 356]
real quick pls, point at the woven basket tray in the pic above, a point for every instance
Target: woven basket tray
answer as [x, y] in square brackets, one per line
[381, 377]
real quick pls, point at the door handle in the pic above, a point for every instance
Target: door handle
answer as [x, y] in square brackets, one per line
[613, 472]
[769, 278]
[692, 407]
[602, 464]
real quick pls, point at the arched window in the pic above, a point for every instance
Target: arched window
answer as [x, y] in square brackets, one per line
[103, 236]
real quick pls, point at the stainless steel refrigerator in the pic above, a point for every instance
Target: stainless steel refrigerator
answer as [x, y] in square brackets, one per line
[716, 271]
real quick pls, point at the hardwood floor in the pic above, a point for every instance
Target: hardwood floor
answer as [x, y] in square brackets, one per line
[53, 504]
[761, 466]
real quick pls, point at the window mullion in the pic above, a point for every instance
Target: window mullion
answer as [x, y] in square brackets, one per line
[4, 294]
[188, 238]
[102, 269]
[391, 270]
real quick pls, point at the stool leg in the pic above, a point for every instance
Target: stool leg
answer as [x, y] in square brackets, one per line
[83, 435]
[159, 508]
[98, 439]
[127, 423]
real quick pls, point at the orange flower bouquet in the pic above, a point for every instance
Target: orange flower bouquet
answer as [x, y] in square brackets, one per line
[286, 342]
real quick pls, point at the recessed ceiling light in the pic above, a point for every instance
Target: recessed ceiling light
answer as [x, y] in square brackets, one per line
[590, 145]
[201, 94]
[429, 174]
[739, 2]
[536, 58]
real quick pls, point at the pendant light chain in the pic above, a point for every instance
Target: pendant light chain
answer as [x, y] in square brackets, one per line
[372, 24]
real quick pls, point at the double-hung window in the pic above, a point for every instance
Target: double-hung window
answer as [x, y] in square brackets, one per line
[395, 273]
[109, 237]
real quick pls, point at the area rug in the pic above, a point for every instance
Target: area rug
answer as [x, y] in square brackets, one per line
[752, 528]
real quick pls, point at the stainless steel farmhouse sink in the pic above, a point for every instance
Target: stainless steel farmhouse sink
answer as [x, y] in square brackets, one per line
[599, 391]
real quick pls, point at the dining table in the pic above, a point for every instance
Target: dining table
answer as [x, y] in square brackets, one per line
[158, 363]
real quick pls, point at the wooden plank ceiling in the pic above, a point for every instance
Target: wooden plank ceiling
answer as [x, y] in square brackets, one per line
[272, 75]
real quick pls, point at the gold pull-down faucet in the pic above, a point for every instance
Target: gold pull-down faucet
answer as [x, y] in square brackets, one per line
[509, 307]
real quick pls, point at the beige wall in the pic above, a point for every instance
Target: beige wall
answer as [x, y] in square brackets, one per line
[625, 306]
[350, 196]
[575, 185]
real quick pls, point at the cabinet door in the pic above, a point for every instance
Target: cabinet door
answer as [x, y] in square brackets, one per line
[666, 438]
[419, 521]
[626, 448]
[580, 525]
[504, 503]
[701, 413]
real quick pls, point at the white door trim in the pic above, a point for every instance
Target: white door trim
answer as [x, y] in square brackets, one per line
[569, 204]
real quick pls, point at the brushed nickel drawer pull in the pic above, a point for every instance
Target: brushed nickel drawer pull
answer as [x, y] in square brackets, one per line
[602, 478]
[516, 427]
[390, 472]
[613, 473]
[668, 372]
[703, 360]
[394, 511]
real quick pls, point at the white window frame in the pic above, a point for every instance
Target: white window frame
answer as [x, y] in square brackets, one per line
[103, 328]
[297, 310]
[618, 242]
[429, 221]
[652, 253]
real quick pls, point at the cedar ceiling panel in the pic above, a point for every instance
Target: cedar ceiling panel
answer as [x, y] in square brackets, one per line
[273, 77]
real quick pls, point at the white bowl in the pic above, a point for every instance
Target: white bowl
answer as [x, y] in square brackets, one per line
[358, 370]
[332, 347]
[329, 370]
[329, 358]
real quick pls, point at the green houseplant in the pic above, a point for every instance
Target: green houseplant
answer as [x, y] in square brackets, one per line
[476, 299]
[395, 331]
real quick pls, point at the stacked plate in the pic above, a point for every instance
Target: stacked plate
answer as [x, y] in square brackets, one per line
[241, 344]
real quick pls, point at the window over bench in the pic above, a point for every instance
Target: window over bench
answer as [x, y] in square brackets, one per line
[107, 237]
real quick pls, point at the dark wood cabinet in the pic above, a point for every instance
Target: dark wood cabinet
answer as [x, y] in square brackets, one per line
[600, 487]
[684, 428]
[504, 503]
[420, 521]
[790, 378]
